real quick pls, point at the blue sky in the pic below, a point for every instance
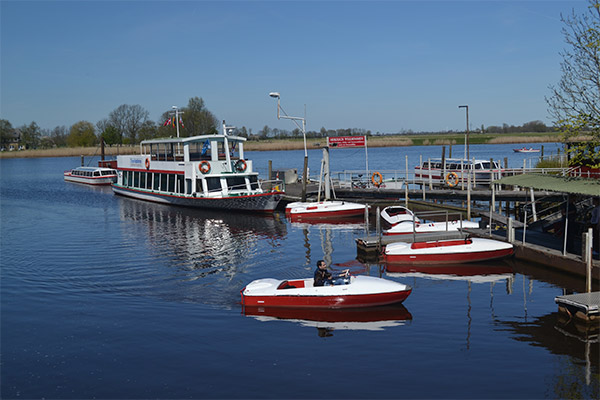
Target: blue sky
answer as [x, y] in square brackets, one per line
[385, 66]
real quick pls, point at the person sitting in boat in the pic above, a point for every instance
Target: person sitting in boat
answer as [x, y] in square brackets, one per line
[324, 277]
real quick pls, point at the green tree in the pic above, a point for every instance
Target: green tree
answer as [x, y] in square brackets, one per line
[198, 120]
[6, 132]
[30, 135]
[574, 103]
[149, 130]
[82, 134]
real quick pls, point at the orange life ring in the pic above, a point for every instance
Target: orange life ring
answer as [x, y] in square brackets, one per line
[147, 163]
[204, 167]
[377, 178]
[452, 179]
[240, 165]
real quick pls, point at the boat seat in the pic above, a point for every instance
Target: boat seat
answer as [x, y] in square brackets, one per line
[285, 285]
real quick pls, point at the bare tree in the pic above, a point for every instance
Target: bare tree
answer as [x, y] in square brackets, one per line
[575, 101]
[128, 120]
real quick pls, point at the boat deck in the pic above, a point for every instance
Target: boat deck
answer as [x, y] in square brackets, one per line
[583, 305]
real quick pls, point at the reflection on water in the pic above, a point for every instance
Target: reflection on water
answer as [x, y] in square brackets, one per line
[328, 320]
[197, 245]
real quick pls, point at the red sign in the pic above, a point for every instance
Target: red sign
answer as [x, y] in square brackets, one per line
[347, 141]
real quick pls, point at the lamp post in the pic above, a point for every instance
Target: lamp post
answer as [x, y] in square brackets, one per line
[467, 156]
[303, 128]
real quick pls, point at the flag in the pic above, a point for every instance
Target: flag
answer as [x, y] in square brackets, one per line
[167, 122]
[205, 147]
[173, 121]
[181, 122]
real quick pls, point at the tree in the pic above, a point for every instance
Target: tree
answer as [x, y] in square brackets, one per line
[6, 132]
[128, 121]
[30, 135]
[58, 136]
[82, 134]
[575, 101]
[149, 130]
[198, 119]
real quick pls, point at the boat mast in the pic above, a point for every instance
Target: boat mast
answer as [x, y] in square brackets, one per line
[226, 144]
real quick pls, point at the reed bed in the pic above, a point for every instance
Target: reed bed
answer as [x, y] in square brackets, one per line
[298, 144]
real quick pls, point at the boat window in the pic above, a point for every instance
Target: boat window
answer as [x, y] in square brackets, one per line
[136, 179]
[156, 185]
[213, 184]
[148, 180]
[253, 182]
[172, 178]
[143, 179]
[180, 185]
[163, 182]
[126, 177]
[236, 183]
[96, 173]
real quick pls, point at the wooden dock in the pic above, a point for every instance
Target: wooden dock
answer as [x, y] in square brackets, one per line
[584, 306]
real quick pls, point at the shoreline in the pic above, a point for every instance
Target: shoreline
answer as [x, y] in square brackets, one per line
[298, 144]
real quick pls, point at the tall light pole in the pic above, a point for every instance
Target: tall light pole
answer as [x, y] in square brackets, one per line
[467, 156]
[303, 128]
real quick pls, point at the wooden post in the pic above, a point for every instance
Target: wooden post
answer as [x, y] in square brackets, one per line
[82, 164]
[270, 174]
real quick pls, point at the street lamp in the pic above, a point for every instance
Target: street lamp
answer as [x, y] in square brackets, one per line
[303, 128]
[466, 134]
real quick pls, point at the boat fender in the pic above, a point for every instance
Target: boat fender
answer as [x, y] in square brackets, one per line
[452, 179]
[377, 178]
[204, 167]
[147, 163]
[240, 165]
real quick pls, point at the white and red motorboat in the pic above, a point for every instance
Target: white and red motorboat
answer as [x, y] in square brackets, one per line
[447, 251]
[357, 291]
[324, 209]
[526, 150]
[394, 215]
[91, 175]
[407, 227]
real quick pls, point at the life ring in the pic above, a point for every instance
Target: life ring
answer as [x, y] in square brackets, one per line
[377, 178]
[147, 163]
[204, 167]
[452, 179]
[240, 165]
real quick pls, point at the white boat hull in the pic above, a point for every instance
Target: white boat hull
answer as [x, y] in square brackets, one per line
[406, 227]
[447, 251]
[324, 209]
[360, 291]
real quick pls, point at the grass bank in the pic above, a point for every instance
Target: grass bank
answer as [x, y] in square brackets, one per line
[298, 144]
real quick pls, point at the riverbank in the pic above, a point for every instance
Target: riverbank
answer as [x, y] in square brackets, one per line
[298, 144]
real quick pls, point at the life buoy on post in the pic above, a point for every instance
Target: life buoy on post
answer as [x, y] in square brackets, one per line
[147, 163]
[377, 178]
[204, 167]
[240, 165]
[452, 179]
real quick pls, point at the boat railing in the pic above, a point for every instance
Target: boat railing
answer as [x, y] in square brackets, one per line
[411, 180]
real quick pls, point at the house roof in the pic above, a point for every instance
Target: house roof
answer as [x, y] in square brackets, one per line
[554, 183]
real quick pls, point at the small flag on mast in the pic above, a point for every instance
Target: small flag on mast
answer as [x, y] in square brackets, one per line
[181, 122]
[167, 122]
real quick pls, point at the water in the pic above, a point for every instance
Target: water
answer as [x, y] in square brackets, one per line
[109, 297]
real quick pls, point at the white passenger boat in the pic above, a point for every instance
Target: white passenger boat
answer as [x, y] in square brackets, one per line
[91, 175]
[304, 211]
[456, 170]
[357, 291]
[526, 150]
[447, 251]
[207, 171]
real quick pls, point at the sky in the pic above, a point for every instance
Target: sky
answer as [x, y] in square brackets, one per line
[384, 66]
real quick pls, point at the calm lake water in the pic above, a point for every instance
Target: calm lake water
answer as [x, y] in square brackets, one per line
[109, 297]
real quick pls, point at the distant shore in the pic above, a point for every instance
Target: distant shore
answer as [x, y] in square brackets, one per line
[298, 144]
